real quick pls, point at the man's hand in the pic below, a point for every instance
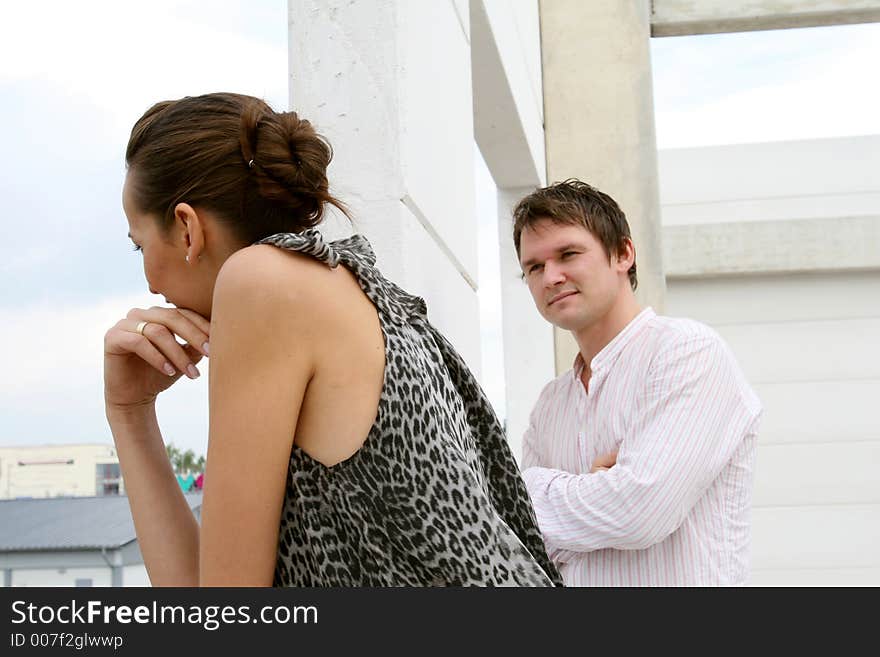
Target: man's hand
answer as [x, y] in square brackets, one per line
[603, 462]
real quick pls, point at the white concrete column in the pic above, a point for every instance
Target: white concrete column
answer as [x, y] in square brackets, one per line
[528, 338]
[599, 121]
[388, 82]
[509, 127]
[116, 576]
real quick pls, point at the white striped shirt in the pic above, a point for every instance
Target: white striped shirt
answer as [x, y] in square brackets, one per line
[676, 508]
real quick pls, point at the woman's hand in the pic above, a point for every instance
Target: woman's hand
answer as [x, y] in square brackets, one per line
[140, 365]
[603, 462]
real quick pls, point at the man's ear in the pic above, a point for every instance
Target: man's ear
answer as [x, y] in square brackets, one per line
[626, 255]
[191, 229]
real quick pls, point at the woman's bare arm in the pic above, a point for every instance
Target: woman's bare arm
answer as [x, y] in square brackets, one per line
[142, 359]
[167, 531]
[262, 337]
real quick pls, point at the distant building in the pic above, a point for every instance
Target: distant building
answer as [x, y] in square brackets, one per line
[59, 471]
[72, 541]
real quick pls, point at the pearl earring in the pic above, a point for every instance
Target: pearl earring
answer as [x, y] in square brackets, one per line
[186, 258]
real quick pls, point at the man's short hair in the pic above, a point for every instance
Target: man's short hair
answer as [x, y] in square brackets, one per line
[575, 202]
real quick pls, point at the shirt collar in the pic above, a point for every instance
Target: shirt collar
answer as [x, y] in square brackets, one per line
[609, 353]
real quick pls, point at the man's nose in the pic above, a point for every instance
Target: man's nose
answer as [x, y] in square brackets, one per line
[553, 274]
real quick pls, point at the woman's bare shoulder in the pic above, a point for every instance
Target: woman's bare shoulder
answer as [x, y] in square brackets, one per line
[270, 272]
[262, 277]
[253, 264]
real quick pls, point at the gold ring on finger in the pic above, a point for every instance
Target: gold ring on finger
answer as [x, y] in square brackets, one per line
[140, 327]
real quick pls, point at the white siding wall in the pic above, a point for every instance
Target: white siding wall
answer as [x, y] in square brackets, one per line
[771, 181]
[135, 575]
[60, 577]
[808, 342]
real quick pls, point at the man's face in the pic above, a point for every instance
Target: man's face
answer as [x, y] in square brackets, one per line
[570, 276]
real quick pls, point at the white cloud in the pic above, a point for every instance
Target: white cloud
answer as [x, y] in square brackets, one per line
[29, 258]
[53, 387]
[83, 72]
[128, 55]
[770, 86]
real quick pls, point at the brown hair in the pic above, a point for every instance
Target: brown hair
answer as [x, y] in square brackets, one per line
[263, 172]
[575, 202]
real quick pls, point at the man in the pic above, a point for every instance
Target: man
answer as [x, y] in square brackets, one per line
[673, 505]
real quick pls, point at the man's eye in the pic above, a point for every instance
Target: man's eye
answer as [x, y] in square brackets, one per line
[535, 268]
[569, 253]
[136, 247]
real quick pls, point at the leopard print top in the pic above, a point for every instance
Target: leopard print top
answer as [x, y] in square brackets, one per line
[434, 496]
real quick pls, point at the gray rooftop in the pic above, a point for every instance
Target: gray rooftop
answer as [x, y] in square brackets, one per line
[69, 523]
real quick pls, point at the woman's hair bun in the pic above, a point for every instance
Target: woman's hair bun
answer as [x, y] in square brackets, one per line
[262, 171]
[290, 163]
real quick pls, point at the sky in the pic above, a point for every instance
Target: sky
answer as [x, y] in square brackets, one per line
[74, 77]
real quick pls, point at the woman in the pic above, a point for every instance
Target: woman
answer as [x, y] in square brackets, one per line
[349, 445]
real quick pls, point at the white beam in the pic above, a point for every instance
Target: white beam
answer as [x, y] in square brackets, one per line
[681, 17]
[508, 104]
[784, 246]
